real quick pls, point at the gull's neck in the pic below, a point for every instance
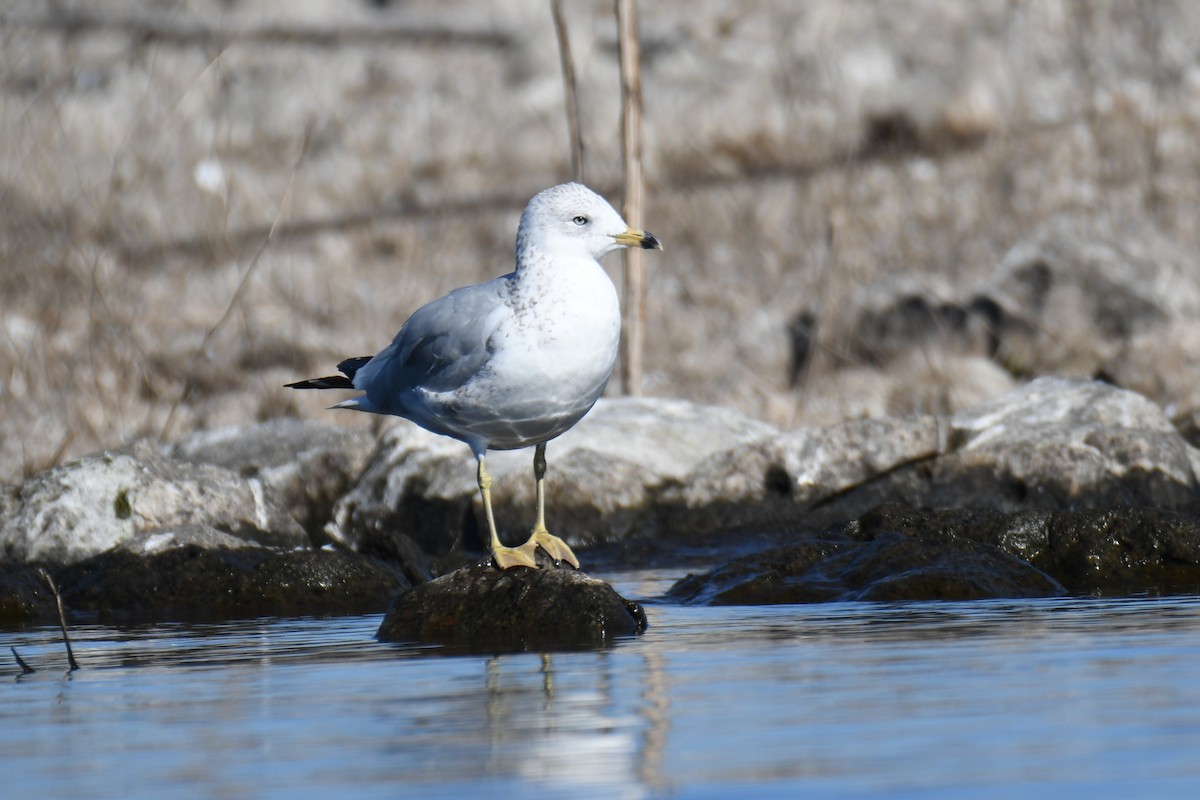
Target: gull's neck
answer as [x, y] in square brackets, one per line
[532, 259]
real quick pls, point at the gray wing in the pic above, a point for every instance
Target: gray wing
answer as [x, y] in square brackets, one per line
[441, 347]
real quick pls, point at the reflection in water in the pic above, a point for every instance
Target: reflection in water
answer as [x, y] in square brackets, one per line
[578, 733]
[1029, 698]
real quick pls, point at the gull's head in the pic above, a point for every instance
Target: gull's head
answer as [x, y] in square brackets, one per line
[572, 220]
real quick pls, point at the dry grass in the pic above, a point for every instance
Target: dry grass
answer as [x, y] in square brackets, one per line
[204, 201]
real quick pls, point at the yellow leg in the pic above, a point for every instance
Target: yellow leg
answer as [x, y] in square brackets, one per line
[540, 537]
[503, 557]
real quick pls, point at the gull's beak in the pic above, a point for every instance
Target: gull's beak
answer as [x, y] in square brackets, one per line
[633, 238]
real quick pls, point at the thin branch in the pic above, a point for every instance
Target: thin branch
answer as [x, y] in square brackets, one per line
[570, 89]
[62, 619]
[190, 382]
[25, 668]
[631, 150]
[175, 29]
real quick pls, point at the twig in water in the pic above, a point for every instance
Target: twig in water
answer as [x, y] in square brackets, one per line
[62, 619]
[25, 668]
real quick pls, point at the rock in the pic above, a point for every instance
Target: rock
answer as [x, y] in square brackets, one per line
[83, 508]
[1077, 295]
[1065, 442]
[1108, 551]
[172, 575]
[602, 478]
[905, 315]
[148, 543]
[780, 478]
[25, 598]
[890, 567]
[934, 381]
[1075, 289]
[483, 609]
[1053, 443]
[1066, 298]
[417, 485]
[901, 553]
[306, 465]
[1161, 364]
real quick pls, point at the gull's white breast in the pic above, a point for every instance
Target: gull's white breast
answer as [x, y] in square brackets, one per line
[551, 357]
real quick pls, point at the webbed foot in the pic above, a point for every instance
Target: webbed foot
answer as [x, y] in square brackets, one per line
[555, 547]
[509, 557]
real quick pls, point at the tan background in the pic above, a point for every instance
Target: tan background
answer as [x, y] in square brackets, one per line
[202, 200]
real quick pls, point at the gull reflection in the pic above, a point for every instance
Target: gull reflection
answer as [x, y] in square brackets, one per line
[595, 725]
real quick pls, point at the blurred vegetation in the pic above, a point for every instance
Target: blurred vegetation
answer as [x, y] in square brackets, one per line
[203, 199]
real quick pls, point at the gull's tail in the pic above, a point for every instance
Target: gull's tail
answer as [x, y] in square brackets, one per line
[343, 381]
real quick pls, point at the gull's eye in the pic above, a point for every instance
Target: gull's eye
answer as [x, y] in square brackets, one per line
[580, 220]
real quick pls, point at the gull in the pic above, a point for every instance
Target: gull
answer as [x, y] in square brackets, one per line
[515, 361]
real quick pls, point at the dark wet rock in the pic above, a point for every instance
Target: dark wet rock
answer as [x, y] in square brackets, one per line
[770, 577]
[1114, 551]
[25, 598]
[483, 609]
[196, 575]
[306, 465]
[891, 567]
[895, 567]
[1107, 551]
[601, 484]
[402, 553]
[896, 552]
[83, 508]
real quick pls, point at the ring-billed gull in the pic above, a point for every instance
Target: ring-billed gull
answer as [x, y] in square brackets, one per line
[515, 361]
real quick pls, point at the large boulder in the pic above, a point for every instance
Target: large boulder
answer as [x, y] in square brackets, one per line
[306, 465]
[83, 508]
[1063, 443]
[1053, 443]
[778, 478]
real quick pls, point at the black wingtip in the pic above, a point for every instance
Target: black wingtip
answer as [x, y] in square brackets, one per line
[328, 382]
[346, 381]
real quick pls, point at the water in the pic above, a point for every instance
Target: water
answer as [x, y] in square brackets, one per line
[1028, 699]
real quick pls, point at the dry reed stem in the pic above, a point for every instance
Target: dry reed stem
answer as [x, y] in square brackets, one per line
[570, 90]
[632, 362]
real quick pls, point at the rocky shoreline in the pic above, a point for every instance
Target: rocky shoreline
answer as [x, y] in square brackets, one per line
[1063, 486]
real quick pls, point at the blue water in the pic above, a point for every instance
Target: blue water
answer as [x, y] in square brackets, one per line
[1012, 699]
